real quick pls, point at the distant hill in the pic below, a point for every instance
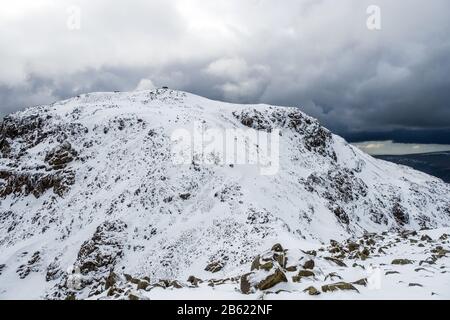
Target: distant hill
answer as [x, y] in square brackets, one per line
[435, 163]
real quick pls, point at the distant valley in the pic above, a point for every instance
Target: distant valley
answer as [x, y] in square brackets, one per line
[435, 163]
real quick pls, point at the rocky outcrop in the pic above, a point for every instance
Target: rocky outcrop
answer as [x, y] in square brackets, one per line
[400, 214]
[316, 138]
[100, 253]
[36, 183]
[61, 155]
[30, 129]
[339, 187]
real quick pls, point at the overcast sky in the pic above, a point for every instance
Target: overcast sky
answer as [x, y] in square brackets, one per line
[392, 83]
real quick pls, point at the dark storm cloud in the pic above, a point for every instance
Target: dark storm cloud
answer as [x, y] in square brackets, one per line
[318, 55]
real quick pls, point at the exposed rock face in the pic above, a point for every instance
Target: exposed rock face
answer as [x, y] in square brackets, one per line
[339, 187]
[61, 155]
[100, 253]
[30, 129]
[317, 139]
[20, 134]
[24, 183]
[31, 266]
[400, 214]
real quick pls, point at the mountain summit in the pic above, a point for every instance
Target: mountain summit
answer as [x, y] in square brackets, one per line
[90, 185]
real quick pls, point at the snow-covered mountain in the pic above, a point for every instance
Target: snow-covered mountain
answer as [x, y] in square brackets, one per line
[90, 184]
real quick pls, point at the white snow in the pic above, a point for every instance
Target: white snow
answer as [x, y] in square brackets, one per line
[125, 172]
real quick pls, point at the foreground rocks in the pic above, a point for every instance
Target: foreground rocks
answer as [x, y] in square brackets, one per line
[348, 270]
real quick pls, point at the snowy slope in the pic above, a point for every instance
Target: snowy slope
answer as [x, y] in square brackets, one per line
[90, 183]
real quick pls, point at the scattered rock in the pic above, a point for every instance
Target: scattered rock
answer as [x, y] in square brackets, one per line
[440, 251]
[361, 282]
[111, 280]
[246, 286]
[415, 285]
[142, 285]
[133, 297]
[272, 280]
[401, 261]
[281, 259]
[340, 263]
[352, 246]
[71, 296]
[358, 265]
[444, 237]
[303, 274]
[255, 264]
[380, 250]
[277, 248]
[339, 286]
[129, 278]
[309, 264]
[364, 254]
[291, 268]
[194, 281]
[214, 267]
[185, 196]
[334, 243]
[176, 284]
[430, 260]
[266, 266]
[312, 291]
[332, 275]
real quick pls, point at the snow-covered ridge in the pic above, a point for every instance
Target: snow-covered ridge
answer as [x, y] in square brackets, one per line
[89, 182]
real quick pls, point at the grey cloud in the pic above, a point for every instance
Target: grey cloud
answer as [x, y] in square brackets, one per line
[317, 55]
